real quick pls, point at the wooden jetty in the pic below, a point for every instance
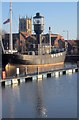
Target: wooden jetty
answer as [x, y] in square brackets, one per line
[38, 76]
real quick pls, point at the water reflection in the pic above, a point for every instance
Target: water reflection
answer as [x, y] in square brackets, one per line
[11, 96]
[0, 103]
[16, 97]
[40, 107]
[52, 97]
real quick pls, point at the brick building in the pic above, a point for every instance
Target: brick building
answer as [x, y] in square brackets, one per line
[72, 46]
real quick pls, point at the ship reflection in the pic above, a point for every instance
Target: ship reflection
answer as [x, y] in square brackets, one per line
[40, 107]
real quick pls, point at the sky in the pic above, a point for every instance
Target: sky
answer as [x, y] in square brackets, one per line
[78, 20]
[60, 16]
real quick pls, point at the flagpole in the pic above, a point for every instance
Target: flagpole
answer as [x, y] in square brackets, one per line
[11, 41]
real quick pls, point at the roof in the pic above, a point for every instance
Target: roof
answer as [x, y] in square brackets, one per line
[71, 42]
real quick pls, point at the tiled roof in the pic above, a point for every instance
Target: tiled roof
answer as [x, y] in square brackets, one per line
[71, 42]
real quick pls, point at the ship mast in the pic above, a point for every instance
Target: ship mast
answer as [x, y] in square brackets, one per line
[11, 41]
[50, 38]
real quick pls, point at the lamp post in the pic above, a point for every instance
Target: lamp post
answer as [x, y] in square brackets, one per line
[67, 34]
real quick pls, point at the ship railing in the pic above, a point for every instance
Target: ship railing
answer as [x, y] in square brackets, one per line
[9, 51]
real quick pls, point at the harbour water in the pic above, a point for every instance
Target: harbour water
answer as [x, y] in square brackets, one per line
[48, 98]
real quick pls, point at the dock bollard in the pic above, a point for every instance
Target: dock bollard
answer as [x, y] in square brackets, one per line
[3, 75]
